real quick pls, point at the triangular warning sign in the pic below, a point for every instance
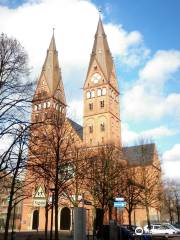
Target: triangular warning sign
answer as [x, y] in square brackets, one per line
[39, 193]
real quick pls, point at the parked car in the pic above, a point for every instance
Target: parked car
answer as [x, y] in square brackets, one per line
[177, 225]
[162, 230]
[131, 228]
[153, 227]
[171, 227]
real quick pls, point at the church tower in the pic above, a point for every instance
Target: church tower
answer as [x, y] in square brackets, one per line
[48, 109]
[49, 99]
[101, 96]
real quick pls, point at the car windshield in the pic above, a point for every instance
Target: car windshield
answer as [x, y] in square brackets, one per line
[167, 226]
[156, 227]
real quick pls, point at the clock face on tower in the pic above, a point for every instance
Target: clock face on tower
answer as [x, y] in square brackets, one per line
[96, 77]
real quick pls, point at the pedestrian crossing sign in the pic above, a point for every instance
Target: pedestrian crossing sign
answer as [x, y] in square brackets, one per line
[39, 193]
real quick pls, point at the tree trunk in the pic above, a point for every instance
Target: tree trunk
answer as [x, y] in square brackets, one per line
[129, 217]
[8, 216]
[12, 195]
[110, 212]
[148, 217]
[56, 213]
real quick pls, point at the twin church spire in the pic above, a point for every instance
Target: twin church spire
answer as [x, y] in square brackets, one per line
[101, 121]
[51, 75]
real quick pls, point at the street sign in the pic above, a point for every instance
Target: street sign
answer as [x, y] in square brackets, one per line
[39, 202]
[119, 199]
[39, 193]
[119, 204]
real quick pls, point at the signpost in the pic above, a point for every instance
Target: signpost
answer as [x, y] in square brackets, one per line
[39, 198]
[120, 204]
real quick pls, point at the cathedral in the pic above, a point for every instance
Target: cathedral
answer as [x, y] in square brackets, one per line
[101, 125]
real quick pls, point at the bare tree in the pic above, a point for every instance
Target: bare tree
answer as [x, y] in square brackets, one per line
[104, 168]
[15, 93]
[168, 200]
[131, 190]
[17, 160]
[150, 179]
[51, 158]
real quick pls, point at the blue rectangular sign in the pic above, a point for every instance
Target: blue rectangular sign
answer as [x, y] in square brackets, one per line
[119, 204]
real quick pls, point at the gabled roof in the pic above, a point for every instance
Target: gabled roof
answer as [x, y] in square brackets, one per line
[140, 155]
[78, 128]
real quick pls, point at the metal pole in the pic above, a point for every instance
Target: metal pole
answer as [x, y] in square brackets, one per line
[51, 231]
[14, 213]
[88, 223]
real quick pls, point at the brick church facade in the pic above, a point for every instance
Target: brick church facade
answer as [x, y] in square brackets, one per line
[101, 126]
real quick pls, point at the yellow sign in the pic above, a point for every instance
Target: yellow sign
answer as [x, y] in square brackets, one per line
[40, 193]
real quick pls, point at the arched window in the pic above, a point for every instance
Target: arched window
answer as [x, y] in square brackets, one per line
[91, 129]
[102, 104]
[48, 104]
[92, 93]
[90, 106]
[35, 222]
[99, 92]
[88, 95]
[104, 91]
[102, 127]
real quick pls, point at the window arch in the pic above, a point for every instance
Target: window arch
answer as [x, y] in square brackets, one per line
[65, 219]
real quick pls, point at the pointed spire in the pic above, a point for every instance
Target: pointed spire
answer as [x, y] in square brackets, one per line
[101, 51]
[52, 46]
[52, 72]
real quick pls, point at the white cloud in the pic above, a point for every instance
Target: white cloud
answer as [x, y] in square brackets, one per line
[171, 162]
[130, 137]
[146, 98]
[172, 155]
[160, 68]
[128, 46]
[75, 24]
[75, 110]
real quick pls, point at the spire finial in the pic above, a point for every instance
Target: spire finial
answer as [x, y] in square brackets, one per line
[53, 30]
[100, 11]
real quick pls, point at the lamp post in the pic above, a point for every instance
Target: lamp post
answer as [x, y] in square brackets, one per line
[13, 223]
[52, 209]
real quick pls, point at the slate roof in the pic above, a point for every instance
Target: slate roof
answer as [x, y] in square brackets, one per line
[78, 128]
[140, 155]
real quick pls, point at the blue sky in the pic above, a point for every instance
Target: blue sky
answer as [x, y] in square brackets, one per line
[145, 42]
